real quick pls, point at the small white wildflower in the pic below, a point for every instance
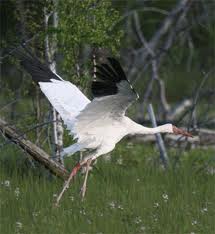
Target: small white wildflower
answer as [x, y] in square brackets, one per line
[119, 160]
[7, 183]
[194, 222]
[17, 192]
[165, 197]
[18, 224]
[101, 214]
[120, 207]
[71, 198]
[211, 170]
[205, 209]
[112, 205]
[156, 204]
[138, 180]
[192, 233]
[35, 214]
[142, 228]
[138, 220]
[82, 212]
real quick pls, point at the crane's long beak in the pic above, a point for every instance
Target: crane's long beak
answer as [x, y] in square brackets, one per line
[182, 132]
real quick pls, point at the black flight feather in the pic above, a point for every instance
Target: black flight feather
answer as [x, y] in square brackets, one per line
[110, 71]
[39, 71]
[105, 72]
[117, 68]
[107, 78]
[101, 76]
[100, 89]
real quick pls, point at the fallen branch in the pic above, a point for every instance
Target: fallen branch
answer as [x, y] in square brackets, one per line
[206, 137]
[169, 139]
[34, 151]
[202, 137]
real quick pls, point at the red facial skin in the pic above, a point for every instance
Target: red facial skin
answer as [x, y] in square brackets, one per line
[182, 132]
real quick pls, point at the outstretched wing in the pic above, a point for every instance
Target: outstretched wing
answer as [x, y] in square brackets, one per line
[111, 90]
[65, 97]
[112, 96]
[111, 80]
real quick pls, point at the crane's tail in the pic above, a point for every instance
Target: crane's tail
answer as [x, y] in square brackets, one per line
[70, 150]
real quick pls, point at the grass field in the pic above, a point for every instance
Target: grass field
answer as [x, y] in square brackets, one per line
[129, 194]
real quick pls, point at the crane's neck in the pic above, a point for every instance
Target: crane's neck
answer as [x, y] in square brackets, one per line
[136, 129]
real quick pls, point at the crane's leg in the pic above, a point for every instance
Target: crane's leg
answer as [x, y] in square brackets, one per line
[89, 158]
[81, 156]
[83, 189]
[66, 185]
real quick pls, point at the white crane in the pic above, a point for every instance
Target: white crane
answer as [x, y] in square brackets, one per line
[98, 124]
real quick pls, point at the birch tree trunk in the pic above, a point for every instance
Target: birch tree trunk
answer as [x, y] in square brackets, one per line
[50, 51]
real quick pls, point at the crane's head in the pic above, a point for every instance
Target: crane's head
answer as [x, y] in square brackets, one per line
[179, 131]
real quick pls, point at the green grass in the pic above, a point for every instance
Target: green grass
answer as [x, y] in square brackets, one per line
[129, 194]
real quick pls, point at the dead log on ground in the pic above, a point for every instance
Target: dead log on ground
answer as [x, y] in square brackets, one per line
[206, 136]
[202, 137]
[34, 151]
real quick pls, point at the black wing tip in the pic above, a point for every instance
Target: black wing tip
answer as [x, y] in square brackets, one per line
[101, 89]
[115, 64]
[107, 76]
[111, 70]
[39, 71]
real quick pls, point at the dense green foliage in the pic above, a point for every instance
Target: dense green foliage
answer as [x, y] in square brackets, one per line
[129, 194]
[86, 24]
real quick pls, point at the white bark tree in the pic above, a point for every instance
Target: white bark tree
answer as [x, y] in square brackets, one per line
[50, 51]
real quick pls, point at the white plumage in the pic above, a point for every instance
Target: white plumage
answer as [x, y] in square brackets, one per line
[66, 98]
[98, 124]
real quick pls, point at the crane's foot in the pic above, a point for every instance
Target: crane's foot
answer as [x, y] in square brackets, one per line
[66, 184]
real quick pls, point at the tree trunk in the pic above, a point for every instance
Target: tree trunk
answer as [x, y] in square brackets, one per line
[163, 154]
[50, 49]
